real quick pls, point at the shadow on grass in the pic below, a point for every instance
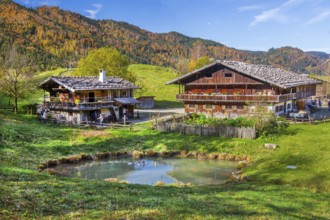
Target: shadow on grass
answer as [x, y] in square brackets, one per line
[60, 197]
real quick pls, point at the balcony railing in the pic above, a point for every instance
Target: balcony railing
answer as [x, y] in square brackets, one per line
[235, 98]
[79, 106]
[92, 103]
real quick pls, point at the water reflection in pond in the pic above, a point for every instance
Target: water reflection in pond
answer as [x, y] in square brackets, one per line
[151, 170]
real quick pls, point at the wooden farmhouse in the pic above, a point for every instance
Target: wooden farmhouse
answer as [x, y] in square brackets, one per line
[84, 99]
[229, 89]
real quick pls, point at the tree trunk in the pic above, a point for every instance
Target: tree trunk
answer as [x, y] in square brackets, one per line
[15, 106]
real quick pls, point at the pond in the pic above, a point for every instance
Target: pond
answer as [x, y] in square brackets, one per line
[150, 170]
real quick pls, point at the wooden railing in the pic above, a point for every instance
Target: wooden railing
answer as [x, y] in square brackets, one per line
[78, 106]
[88, 103]
[235, 98]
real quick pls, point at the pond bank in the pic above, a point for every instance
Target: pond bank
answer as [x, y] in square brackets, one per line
[243, 161]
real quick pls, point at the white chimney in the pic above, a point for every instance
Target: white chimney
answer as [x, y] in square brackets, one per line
[103, 76]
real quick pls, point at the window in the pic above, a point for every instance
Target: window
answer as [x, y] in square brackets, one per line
[279, 108]
[191, 106]
[208, 75]
[227, 75]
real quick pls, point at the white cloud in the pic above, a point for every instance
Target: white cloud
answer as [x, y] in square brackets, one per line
[318, 18]
[249, 8]
[292, 3]
[276, 14]
[273, 14]
[93, 13]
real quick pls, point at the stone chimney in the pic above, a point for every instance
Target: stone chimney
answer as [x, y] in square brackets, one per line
[102, 77]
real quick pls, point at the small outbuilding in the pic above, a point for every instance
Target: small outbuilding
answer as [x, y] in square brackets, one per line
[146, 101]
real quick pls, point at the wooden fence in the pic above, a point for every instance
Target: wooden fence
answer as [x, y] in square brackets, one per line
[203, 130]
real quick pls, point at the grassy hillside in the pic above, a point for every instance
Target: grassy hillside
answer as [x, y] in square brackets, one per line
[152, 79]
[58, 72]
[274, 192]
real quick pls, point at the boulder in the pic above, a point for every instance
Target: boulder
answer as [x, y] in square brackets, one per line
[201, 156]
[270, 146]
[241, 164]
[192, 154]
[222, 156]
[151, 153]
[183, 153]
[137, 154]
[212, 156]
[159, 183]
[230, 157]
[113, 180]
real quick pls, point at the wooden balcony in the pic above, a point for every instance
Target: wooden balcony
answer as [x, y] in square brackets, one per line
[235, 98]
[78, 107]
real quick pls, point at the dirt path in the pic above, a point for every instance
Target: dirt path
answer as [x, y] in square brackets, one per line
[142, 115]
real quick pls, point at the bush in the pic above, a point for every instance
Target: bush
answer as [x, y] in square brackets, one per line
[271, 125]
[234, 122]
[265, 124]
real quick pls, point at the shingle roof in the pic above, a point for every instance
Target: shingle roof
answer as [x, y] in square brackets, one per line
[81, 83]
[275, 76]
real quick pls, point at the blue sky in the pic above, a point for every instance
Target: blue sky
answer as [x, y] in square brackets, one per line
[242, 24]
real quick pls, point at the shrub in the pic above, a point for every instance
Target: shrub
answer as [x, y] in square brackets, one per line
[271, 125]
[234, 122]
[266, 124]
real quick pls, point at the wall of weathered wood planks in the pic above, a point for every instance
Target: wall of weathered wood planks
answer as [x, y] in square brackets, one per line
[202, 130]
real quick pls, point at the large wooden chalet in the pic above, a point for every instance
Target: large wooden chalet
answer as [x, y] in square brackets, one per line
[230, 88]
[85, 99]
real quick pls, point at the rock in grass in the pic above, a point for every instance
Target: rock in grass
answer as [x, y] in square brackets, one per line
[137, 154]
[159, 183]
[270, 146]
[113, 180]
[230, 157]
[291, 167]
[222, 156]
[241, 165]
[212, 156]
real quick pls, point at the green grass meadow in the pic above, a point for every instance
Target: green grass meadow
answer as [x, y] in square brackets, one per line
[273, 192]
[152, 80]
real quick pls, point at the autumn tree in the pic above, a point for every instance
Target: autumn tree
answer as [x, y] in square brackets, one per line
[109, 59]
[200, 62]
[16, 75]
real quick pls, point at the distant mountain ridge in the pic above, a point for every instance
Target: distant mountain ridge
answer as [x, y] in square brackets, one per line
[54, 37]
[320, 55]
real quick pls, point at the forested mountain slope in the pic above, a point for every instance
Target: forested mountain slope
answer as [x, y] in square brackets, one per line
[54, 37]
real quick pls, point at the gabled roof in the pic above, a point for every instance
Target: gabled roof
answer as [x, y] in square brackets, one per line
[274, 76]
[88, 83]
